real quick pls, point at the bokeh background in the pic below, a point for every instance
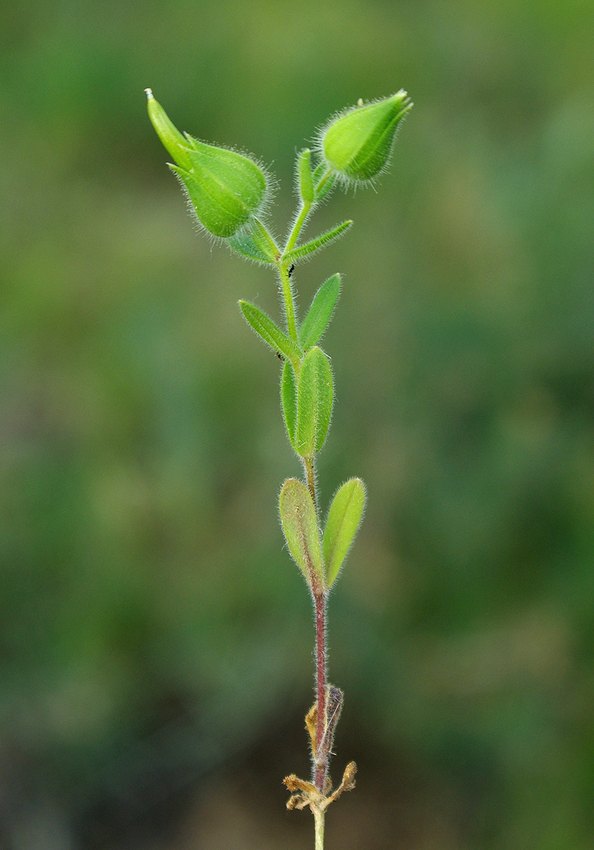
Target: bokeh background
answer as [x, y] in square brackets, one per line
[155, 638]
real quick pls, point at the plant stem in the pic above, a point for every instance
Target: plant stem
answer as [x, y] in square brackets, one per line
[320, 766]
[319, 828]
[306, 207]
[288, 300]
[309, 466]
[320, 599]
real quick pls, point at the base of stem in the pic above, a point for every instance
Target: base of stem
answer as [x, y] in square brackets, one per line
[319, 818]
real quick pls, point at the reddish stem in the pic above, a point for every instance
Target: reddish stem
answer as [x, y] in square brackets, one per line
[321, 756]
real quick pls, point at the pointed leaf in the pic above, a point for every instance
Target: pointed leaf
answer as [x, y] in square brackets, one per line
[306, 186]
[344, 518]
[315, 397]
[268, 331]
[319, 314]
[321, 241]
[289, 400]
[300, 527]
[255, 243]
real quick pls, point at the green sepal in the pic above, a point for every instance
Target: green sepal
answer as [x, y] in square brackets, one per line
[255, 243]
[270, 333]
[315, 397]
[288, 392]
[321, 241]
[300, 527]
[172, 140]
[319, 171]
[357, 143]
[323, 191]
[342, 524]
[225, 188]
[320, 312]
[306, 185]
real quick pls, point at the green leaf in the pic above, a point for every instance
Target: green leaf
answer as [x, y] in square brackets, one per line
[320, 313]
[300, 527]
[289, 400]
[321, 241]
[255, 243]
[344, 518]
[268, 331]
[315, 397]
[306, 186]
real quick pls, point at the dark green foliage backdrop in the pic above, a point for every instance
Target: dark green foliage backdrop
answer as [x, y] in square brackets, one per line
[154, 639]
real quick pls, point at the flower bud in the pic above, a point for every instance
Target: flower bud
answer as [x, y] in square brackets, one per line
[358, 142]
[225, 188]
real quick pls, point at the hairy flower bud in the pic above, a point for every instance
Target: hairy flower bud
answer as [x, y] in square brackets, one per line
[357, 143]
[225, 188]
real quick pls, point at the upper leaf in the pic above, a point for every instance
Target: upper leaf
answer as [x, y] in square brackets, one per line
[300, 527]
[306, 186]
[344, 518]
[270, 333]
[321, 241]
[320, 312]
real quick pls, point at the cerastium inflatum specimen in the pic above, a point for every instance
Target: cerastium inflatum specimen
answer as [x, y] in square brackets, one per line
[228, 191]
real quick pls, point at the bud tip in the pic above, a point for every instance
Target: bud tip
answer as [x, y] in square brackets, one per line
[149, 94]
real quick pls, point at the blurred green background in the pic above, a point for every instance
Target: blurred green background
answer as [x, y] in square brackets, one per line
[155, 640]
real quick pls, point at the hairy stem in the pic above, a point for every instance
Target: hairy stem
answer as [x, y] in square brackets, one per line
[288, 301]
[301, 218]
[319, 828]
[320, 766]
[309, 466]
[320, 599]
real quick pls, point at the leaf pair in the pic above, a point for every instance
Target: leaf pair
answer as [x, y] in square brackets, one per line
[307, 402]
[320, 560]
[312, 328]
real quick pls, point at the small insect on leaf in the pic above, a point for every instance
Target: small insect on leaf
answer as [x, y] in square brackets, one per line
[344, 518]
[300, 527]
[320, 313]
